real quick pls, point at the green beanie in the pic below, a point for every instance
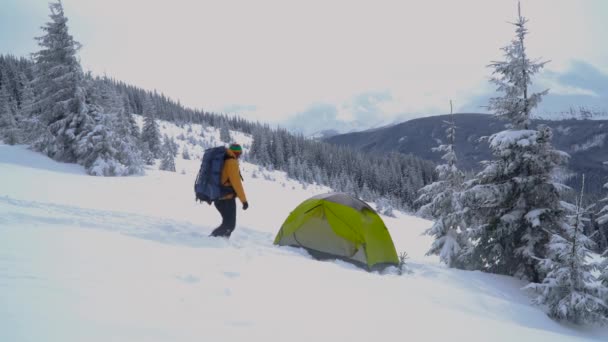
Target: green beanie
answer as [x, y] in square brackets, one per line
[236, 148]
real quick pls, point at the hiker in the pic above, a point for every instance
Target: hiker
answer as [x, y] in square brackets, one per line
[226, 205]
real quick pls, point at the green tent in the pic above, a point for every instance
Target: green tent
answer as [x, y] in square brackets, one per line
[336, 225]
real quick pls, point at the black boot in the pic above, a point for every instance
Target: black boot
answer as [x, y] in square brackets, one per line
[227, 209]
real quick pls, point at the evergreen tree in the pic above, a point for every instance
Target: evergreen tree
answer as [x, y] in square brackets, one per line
[59, 86]
[8, 124]
[96, 152]
[384, 207]
[225, 133]
[442, 203]
[27, 98]
[170, 145]
[167, 162]
[186, 154]
[570, 290]
[146, 154]
[150, 135]
[603, 278]
[149, 106]
[7, 116]
[174, 147]
[278, 154]
[108, 149]
[513, 76]
[259, 148]
[602, 221]
[514, 201]
[126, 143]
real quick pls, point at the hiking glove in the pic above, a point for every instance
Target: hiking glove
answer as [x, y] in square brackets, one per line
[245, 206]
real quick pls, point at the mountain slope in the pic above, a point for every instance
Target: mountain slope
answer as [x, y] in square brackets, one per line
[585, 140]
[128, 259]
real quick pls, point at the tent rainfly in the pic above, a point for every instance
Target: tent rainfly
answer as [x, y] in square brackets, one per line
[339, 226]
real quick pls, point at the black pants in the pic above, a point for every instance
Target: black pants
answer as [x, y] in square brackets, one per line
[227, 209]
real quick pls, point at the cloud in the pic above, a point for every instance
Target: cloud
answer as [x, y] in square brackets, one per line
[316, 118]
[360, 112]
[583, 75]
[342, 62]
[581, 84]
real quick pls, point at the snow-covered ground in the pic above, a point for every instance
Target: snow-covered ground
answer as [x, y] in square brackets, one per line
[129, 259]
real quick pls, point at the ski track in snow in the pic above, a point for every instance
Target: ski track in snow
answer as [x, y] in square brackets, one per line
[15, 212]
[158, 229]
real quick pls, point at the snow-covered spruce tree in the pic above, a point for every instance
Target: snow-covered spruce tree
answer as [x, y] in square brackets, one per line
[167, 162]
[278, 151]
[150, 135]
[260, 147]
[174, 147]
[27, 97]
[384, 207]
[442, 203]
[602, 220]
[185, 153]
[170, 145]
[225, 133]
[30, 126]
[127, 144]
[603, 278]
[108, 149]
[128, 112]
[60, 90]
[96, 151]
[570, 290]
[8, 123]
[514, 202]
[146, 154]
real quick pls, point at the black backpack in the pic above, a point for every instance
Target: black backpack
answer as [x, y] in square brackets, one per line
[208, 185]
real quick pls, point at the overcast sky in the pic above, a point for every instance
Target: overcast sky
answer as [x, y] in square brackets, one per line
[326, 60]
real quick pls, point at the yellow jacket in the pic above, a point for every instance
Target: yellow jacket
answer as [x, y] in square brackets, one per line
[231, 176]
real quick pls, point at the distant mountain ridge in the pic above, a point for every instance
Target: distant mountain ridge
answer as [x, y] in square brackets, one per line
[585, 140]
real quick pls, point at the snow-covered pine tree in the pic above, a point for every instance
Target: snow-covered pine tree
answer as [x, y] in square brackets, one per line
[128, 112]
[108, 149]
[96, 151]
[126, 143]
[170, 145]
[150, 134]
[514, 201]
[384, 207]
[60, 90]
[8, 124]
[174, 147]
[442, 203]
[278, 150]
[146, 154]
[167, 162]
[570, 290]
[7, 116]
[603, 278]
[30, 125]
[259, 148]
[148, 105]
[225, 133]
[27, 97]
[186, 153]
[602, 219]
